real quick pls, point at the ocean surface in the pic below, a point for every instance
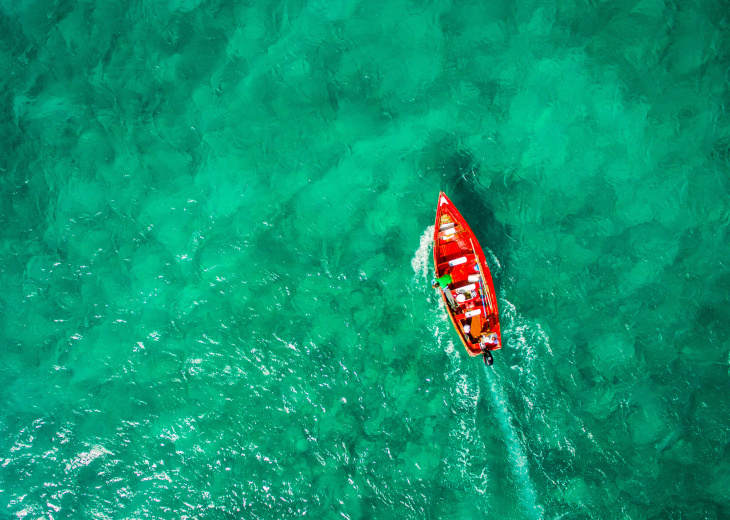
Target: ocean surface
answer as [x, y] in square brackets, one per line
[215, 259]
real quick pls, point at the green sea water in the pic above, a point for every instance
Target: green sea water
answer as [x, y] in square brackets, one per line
[215, 223]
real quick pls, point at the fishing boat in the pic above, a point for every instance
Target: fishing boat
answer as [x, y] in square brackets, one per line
[465, 282]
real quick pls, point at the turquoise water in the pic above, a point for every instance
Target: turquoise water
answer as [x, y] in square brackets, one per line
[214, 234]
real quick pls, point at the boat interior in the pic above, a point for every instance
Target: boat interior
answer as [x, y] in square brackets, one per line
[456, 256]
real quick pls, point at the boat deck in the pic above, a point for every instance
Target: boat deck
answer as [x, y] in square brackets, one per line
[470, 301]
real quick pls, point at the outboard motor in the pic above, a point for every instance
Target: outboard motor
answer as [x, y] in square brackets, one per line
[488, 359]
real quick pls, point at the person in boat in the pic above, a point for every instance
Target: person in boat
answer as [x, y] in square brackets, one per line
[467, 330]
[489, 341]
[442, 282]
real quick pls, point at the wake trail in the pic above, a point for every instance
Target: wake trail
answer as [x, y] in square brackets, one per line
[422, 260]
[520, 466]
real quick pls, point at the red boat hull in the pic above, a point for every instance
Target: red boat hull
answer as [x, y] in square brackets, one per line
[470, 298]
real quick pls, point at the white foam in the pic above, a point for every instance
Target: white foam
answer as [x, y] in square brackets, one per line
[85, 458]
[422, 259]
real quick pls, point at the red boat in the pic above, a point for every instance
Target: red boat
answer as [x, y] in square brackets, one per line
[465, 282]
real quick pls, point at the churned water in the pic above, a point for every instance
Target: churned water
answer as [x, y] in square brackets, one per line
[215, 224]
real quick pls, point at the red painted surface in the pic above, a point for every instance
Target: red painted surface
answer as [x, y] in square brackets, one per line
[454, 246]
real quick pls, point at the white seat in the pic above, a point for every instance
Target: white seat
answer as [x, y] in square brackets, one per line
[458, 261]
